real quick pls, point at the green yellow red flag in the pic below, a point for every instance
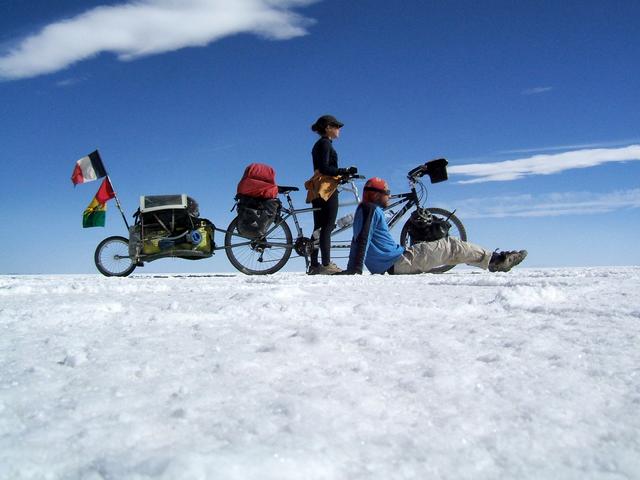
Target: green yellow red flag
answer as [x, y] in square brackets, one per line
[95, 213]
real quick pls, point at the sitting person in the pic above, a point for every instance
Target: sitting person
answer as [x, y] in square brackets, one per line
[373, 246]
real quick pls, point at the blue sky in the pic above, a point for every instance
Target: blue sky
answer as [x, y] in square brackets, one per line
[534, 104]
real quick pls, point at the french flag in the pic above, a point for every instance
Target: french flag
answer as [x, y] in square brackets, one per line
[88, 169]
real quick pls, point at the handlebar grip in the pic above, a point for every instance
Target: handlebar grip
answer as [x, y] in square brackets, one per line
[348, 178]
[419, 171]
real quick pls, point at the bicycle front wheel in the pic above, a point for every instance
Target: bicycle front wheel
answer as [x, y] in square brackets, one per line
[456, 230]
[112, 257]
[259, 256]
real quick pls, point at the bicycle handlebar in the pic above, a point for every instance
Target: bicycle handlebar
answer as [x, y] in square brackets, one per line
[437, 174]
[436, 169]
[348, 178]
[419, 171]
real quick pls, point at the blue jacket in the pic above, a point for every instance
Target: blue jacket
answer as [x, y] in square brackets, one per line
[372, 244]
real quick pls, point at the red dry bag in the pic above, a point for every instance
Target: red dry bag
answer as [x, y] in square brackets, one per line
[258, 181]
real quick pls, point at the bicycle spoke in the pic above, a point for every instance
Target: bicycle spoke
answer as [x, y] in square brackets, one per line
[259, 256]
[112, 257]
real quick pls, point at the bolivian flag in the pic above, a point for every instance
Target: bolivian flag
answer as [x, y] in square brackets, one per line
[94, 215]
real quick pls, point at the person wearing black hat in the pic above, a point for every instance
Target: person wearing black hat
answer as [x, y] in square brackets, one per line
[323, 190]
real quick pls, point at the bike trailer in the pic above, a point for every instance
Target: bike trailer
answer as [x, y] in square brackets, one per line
[170, 225]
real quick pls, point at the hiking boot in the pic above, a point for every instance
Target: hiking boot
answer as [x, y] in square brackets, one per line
[329, 269]
[314, 269]
[505, 261]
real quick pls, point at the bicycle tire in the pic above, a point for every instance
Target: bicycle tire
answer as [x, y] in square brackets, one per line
[247, 258]
[112, 257]
[457, 230]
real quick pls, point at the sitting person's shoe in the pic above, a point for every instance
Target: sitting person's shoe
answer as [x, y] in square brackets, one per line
[505, 261]
[329, 269]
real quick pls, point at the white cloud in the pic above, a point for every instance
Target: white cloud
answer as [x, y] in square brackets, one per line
[548, 205]
[536, 90]
[543, 164]
[146, 27]
[582, 146]
[69, 82]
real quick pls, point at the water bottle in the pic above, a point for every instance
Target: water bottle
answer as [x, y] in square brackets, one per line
[345, 221]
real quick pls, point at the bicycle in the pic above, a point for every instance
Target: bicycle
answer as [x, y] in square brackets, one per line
[268, 254]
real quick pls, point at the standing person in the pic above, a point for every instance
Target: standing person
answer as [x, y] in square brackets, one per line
[373, 246]
[322, 191]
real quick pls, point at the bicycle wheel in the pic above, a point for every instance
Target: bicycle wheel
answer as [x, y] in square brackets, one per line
[112, 257]
[456, 230]
[260, 256]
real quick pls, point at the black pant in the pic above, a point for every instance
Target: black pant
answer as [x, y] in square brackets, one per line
[325, 220]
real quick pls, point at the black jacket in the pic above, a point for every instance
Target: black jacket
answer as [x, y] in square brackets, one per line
[325, 158]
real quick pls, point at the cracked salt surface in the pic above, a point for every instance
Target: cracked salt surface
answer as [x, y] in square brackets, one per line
[531, 374]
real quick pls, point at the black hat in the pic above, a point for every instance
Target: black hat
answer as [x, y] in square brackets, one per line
[325, 121]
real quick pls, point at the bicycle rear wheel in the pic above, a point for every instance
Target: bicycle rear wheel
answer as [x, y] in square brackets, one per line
[260, 256]
[112, 257]
[456, 230]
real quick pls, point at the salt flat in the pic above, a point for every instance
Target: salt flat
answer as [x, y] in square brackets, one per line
[470, 375]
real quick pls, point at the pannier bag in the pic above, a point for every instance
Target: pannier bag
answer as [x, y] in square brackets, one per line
[256, 215]
[424, 227]
[258, 204]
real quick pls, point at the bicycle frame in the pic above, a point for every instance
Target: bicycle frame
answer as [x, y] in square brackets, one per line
[285, 214]
[291, 212]
[408, 199]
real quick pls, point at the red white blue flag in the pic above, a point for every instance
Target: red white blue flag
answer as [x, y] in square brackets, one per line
[88, 168]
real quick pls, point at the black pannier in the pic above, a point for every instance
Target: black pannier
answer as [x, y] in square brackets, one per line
[256, 215]
[425, 227]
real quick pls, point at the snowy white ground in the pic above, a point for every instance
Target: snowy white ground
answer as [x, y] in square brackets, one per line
[534, 374]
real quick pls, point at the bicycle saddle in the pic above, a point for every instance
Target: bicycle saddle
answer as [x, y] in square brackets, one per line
[283, 189]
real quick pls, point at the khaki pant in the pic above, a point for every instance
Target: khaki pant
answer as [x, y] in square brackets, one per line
[424, 256]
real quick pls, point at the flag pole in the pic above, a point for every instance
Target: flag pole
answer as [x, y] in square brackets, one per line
[115, 195]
